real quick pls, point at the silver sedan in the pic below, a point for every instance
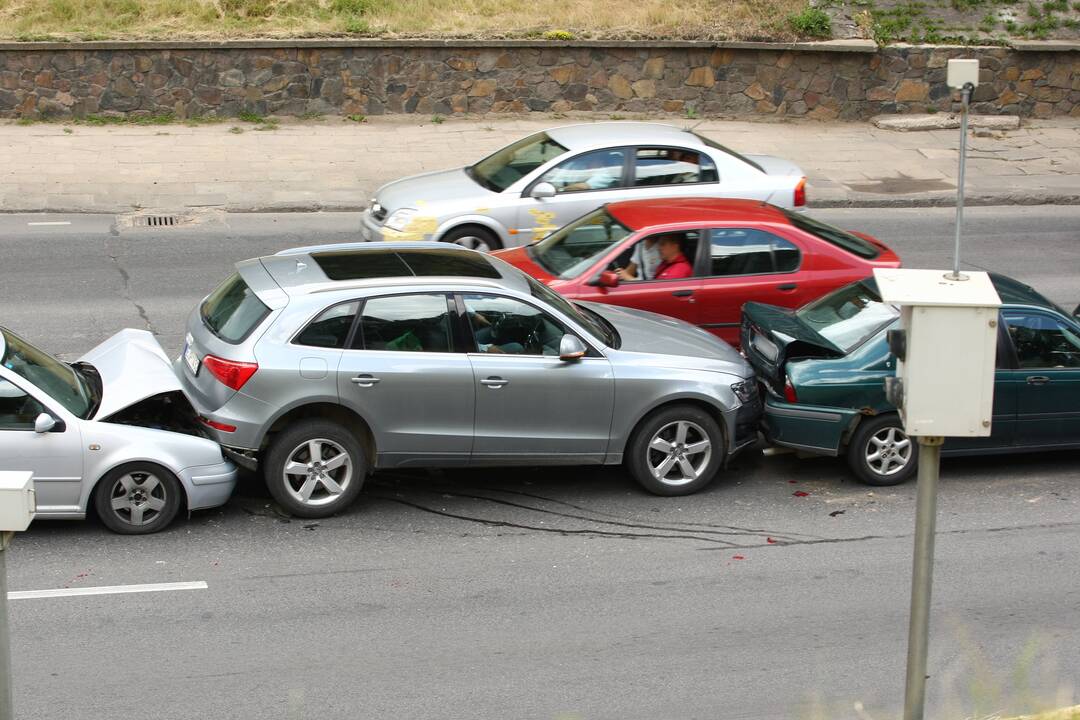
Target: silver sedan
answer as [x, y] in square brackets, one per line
[112, 431]
[540, 183]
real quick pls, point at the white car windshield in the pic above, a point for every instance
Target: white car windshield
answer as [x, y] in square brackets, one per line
[505, 167]
[569, 252]
[59, 380]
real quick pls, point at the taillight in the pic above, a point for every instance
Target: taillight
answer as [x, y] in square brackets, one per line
[217, 425]
[800, 193]
[231, 373]
[789, 391]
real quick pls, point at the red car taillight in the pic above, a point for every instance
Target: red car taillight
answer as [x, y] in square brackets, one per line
[231, 373]
[800, 193]
[789, 392]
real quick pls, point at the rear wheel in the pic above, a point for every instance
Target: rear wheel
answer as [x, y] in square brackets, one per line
[137, 499]
[315, 468]
[881, 453]
[473, 237]
[676, 451]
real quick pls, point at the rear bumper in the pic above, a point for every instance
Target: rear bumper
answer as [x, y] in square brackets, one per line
[817, 429]
[209, 486]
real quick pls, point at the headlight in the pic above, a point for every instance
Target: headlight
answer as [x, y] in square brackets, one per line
[375, 207]
[399, 219]
[745, 390]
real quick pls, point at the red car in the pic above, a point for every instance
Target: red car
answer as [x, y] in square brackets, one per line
[699, 259]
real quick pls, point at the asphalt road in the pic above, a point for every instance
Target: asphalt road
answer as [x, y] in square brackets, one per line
[540, 594]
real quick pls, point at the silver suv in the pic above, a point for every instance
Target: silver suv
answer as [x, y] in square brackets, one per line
[326, 363]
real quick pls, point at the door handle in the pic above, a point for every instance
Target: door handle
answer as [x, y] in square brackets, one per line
[494, 382]
[787, 286]
[683, 293]
[1037, 380]
[365, 380]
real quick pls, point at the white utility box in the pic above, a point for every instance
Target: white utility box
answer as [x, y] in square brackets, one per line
[946, 350]
[959, 73]
[17, 502]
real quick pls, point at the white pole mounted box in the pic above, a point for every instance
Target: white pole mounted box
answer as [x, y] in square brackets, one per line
[946, 350]
[17, 503]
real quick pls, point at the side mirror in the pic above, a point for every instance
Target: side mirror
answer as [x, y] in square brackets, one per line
[605, 278]
[542, 190]
[44, 422]
[571, 348]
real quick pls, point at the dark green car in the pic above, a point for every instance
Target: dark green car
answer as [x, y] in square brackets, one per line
[824, 366]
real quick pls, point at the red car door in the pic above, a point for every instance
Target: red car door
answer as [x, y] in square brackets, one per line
[744, 264]
[677, 298]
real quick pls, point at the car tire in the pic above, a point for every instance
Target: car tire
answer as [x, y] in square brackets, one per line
[880, 452]
[664, 464]
[138, 498]
[303, 471]
[473, 237]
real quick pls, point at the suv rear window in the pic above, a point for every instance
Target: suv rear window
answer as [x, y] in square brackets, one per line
[369, 264]
[233, 310]
[832, 235]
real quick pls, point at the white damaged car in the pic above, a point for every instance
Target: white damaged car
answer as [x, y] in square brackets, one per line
[112, 430]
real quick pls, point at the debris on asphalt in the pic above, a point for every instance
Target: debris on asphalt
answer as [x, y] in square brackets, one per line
[801, 493]
[737, 557]
[770, 541]
[834, 513]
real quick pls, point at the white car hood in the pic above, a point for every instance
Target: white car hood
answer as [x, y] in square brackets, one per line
[133, 367]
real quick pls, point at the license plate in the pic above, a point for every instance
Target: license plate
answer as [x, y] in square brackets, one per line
[191, 358]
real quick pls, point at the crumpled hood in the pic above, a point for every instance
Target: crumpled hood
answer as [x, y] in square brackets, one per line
[420, 191]
[684, 344]
[132, 367]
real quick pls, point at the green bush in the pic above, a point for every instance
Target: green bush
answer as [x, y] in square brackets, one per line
[811, 22]
[558, 35]
[351, 7]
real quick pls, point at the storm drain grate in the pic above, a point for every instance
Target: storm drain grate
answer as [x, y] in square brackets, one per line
[157, 220]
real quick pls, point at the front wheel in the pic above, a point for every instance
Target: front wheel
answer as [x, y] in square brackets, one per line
[315, 469]
[676, 451]
[137, 499]
[474, 238]
[881, 453]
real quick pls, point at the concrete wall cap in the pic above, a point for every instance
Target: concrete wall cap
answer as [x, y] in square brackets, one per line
[1045, 45]
[857, 46]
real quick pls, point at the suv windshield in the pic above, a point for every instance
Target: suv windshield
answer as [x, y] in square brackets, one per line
[849, 316]
[569, 252]
[233, 310]
[835, 236]
[62, 383]
[505, 167]
[589, 320]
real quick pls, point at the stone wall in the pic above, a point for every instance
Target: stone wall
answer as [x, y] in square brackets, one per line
[843, 79]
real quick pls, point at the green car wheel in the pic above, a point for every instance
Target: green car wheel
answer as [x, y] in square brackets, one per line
[880, 453]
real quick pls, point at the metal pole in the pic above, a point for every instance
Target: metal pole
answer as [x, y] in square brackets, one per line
[922, 576]
[6, 713]
[965, 94]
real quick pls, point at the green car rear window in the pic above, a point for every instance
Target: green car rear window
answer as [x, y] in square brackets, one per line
[233, 310]
[848, 317]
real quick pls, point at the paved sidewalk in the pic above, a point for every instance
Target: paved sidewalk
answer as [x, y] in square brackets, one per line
[333, 164]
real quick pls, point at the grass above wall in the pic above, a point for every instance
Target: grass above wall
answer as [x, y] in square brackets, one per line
[481, 19]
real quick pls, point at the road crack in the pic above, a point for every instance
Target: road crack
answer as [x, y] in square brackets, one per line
[125, 291]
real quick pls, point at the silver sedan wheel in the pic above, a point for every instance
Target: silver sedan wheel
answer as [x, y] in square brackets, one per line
[138, 497]
[317, 472]
[888, 451]
[678, 453]
[473, 242]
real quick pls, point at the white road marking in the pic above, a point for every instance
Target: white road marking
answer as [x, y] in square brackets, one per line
[56, 222]
[107, 590]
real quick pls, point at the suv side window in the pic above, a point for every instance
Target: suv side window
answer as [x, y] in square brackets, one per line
[505, 326]
[331, 328]
[405, 323]
[18, 410]
[747, 251]
[595, 170]
[1043, 342]
[672, 166]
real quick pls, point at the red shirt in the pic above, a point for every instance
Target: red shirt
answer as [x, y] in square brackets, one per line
[678, 268]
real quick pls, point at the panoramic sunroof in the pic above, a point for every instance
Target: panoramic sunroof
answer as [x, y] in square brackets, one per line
[403, 263]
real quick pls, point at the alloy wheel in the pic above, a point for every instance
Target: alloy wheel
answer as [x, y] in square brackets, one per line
[138, 497]
[888, 451]
[473, 242]
[678, 453]
[317, 472]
